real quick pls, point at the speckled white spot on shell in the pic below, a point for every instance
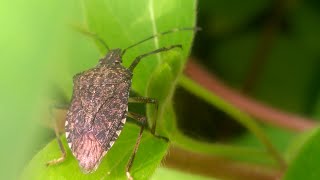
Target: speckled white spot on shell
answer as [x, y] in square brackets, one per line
[111, 143]
[123, 120]
[118, 132]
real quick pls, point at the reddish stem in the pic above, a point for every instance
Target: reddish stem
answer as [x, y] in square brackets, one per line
[217, 167]
[259, 110]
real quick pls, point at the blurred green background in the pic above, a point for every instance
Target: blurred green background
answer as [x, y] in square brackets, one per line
[269, 50]
[36, 44]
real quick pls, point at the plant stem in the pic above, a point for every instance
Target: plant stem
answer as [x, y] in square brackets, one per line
[178, 139]
[234, 112]
[264, 47]
[217, 167]
[258, 110]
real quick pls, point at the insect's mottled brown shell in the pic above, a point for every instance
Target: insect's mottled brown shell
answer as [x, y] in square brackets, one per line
[97, 113]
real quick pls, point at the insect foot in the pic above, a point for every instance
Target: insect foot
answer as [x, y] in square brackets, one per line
[56, 130]
[129, 176]
[56, 161]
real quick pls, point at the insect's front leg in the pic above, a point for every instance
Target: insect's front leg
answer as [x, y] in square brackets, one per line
[56, 130]
[163, 49]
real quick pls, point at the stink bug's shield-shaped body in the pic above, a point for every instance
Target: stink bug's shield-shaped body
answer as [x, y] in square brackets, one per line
[99, 107]
[98, 110]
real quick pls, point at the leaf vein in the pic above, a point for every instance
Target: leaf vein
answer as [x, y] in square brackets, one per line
[154, 28]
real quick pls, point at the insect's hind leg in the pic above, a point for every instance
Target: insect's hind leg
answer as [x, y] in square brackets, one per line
[56, 130]
[137, 60]
[147, 100]
[143, 121]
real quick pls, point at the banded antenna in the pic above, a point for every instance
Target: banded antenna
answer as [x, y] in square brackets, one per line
[86, 32]
[98, 38]
[161, 34]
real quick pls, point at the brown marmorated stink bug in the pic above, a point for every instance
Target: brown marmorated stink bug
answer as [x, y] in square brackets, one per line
[99, 107]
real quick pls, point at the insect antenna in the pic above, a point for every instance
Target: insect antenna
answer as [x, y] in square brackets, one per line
[86, 32]
[161, 34]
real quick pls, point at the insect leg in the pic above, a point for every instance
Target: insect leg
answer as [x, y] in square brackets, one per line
[137, 60]
[143, 121]
[148, 100]
[56, 130]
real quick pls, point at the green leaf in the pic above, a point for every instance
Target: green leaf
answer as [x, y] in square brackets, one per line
[162, 85]
[228, 108]
[280, 138]
[169, 174]
[295, 146]
[120, 24]
[123, 23]
[34, 40]
[306, 163]
[148, 157]
[155, 76]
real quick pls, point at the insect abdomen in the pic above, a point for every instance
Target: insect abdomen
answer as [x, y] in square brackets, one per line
[96, 116]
